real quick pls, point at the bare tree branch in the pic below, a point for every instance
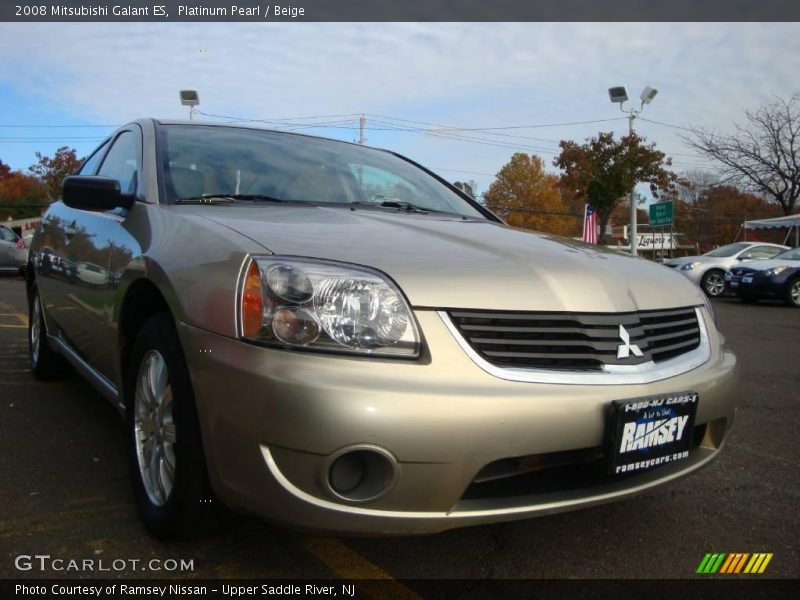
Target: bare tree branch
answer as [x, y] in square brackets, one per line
[763, 155]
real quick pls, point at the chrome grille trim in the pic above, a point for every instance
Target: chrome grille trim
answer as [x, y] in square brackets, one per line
[608, 374]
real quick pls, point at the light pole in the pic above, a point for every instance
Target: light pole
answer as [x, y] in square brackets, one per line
[191, 99]
[619, 95]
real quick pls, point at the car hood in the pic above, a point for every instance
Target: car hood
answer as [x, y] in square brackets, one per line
[448, 262]
[763, 265]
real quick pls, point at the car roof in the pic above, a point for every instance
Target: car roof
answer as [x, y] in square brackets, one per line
[254, 126]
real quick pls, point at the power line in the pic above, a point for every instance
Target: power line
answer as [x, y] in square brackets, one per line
[53, 141]
[665, 124]
[60, 126]
[540, 125]
[459, 171]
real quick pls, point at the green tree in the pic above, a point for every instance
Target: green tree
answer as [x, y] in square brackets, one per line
[525, 195]
[53, 170]
[603, 171]
[20, 194]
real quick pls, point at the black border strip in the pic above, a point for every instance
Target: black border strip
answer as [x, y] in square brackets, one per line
[402, 11]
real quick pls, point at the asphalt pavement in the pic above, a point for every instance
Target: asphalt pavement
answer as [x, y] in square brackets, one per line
[65, 492]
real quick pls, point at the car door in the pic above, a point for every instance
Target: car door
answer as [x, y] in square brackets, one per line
[50, 257]
[8, 248]
[89, 240]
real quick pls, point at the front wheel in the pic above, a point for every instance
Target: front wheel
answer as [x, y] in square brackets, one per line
[45, 363]
[713, 283]
[165, 450]
[793, 293]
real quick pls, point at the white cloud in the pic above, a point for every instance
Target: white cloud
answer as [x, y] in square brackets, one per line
[480, 74]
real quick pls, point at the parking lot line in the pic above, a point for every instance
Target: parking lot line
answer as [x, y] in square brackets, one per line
[348, 564]
[11, 311]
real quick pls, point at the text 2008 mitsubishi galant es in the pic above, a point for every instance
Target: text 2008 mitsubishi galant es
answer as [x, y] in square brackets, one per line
[332, 337]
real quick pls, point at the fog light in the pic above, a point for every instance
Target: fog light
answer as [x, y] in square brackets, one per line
[347, 472]
[362, 474]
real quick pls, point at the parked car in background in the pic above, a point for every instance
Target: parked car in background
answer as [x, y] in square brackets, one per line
[21, 254]
[8, 250]
[330, 336]
[708, 270]
[774, 279]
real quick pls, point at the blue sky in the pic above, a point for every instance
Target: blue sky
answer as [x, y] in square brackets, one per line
[472, 75]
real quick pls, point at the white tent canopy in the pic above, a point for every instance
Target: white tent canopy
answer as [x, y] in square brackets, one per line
[788, 222]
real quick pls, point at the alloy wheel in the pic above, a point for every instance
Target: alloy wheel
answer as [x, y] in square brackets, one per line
[36, 330]
[715, 284]
[794, 293]
[154, 428]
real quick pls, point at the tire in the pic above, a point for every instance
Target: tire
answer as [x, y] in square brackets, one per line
[45, 364]
[174, 498]
[793, 293]
[713, 283]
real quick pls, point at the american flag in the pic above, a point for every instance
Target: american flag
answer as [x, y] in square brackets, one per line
[589, 225]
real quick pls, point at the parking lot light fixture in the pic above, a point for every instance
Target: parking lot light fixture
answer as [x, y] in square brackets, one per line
[619, 95]
[191, 99]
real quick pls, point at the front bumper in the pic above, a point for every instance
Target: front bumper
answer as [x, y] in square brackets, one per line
[761, 286]
[271, 421]
[694, 275]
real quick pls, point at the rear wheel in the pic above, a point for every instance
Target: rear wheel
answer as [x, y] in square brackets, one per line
[165, 450]
[793, 293]
[713, 283]
[45, 363]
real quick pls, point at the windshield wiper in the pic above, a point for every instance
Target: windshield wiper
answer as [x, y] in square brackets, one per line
[228, 198]
[401, 205]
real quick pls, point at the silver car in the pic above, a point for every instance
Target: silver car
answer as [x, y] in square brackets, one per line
[9, 241]
[708, 270]
[21, 254]
[334, 338]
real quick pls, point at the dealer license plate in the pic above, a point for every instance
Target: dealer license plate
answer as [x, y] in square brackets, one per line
[747, 279]
[645, 433]
[734, 283]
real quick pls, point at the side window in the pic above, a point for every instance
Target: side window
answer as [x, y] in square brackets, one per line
[122, 162]
[90, 166]
[759, 252]
[7, 235]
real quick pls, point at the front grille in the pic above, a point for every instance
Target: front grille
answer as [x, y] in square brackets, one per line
[739, 271]
[576, 341]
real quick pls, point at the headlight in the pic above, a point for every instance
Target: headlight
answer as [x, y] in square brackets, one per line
[690, 266]
[315, 304]
[775, 271]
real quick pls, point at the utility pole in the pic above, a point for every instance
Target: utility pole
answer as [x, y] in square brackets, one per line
[634, 217]
[361, 122]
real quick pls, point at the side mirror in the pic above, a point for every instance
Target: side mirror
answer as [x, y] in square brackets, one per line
[745, 256]
[94, 193]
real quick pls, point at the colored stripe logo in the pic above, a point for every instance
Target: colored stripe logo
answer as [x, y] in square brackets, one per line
[734, 562]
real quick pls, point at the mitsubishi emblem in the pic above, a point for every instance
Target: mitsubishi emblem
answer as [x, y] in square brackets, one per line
[625, 349]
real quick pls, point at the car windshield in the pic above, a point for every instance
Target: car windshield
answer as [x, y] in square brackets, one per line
[728, 250]
[793, 254]
[250, 164]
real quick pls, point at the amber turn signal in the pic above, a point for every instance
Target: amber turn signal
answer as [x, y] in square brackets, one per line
[252, 302]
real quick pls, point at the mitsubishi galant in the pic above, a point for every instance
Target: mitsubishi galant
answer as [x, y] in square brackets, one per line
[332, 337]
